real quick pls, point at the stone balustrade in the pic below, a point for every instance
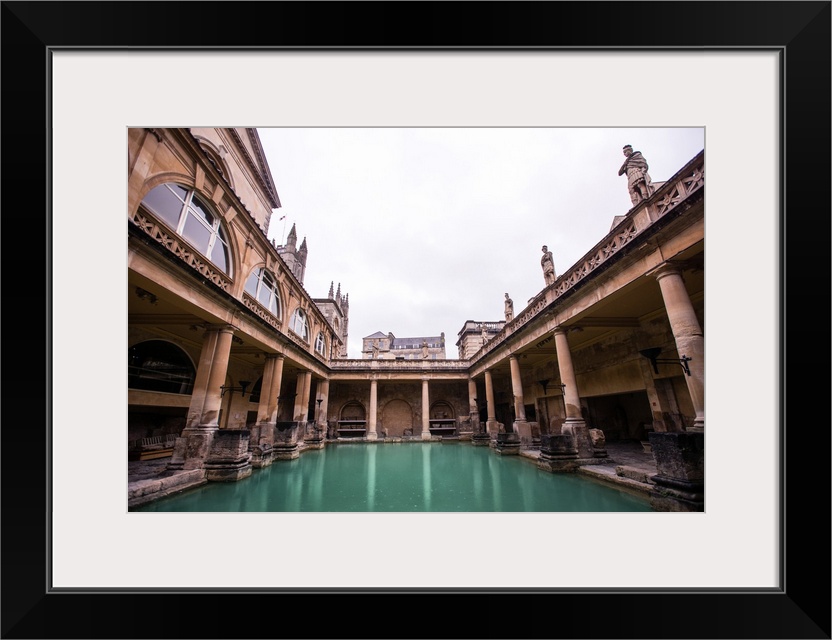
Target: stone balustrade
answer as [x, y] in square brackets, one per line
[671, 194]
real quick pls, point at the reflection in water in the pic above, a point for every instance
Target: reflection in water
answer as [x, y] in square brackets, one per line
[426, 486]
[408, 477]
[371, 478]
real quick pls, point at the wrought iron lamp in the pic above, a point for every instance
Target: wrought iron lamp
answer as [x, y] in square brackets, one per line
[241, 388]
[652, 355]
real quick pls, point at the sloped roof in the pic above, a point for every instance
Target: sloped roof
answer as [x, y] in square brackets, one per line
[377, 334]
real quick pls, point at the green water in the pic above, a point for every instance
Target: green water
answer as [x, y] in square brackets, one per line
[407, 477]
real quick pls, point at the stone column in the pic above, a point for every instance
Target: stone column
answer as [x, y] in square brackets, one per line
[274, 391]
[323, 396]
[478, 435]
[193, 447]
[372, 419]
[574, 423]
[302, 396]
[472, 396]
[425, 410]
[262, 435]
[206, 359]
[265, 389]
[285, 435]
[520, 426]
[491, 422]
[687, 332]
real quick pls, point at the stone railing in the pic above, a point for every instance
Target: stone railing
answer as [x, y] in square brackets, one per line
[260, 311]
[181, 249]
[688, 180]
[398, 365]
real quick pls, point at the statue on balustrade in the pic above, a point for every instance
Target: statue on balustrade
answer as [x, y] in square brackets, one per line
[639, 183]
[548, 265]
[509, 309]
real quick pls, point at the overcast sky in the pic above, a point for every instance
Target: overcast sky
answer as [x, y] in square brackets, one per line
[426, 228]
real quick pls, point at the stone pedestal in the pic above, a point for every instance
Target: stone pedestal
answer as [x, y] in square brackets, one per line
[229, 459]
[599, 443]
[261, 446]
[191, 450]
[580, 432]
[479, 435]
[558, 453]
[680, 461]
[523, 429]
[261, 456]
[314, 436]
[286, 440]
[507, 444]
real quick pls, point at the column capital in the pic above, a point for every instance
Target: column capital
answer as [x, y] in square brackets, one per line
[670, 267]
[220, 328]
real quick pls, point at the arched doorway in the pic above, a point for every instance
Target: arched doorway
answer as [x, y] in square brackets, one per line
[353, 420]
[397, 419]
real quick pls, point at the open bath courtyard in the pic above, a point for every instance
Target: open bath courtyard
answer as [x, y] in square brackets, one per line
[248, 390]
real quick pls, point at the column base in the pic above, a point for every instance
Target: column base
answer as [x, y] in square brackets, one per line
[229, 459]
[558, 453]
[673, 495]
[192, 448]
[261, 457]
[226, 473]
[507, 444]
[579, 431]
[286, 452]
[680, 461]
[480, 439]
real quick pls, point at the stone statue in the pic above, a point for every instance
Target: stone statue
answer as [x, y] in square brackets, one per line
[639, 183]
[509, 309]
[484, 333]
[548, 266]
[375, 351]
[424, 348]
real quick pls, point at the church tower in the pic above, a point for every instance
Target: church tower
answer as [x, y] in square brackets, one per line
[294, 257]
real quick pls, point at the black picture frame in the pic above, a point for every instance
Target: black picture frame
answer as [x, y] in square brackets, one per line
[800, 31]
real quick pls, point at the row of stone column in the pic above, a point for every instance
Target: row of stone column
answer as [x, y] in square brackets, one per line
[372, 417]
[689, 340]
[206, 400]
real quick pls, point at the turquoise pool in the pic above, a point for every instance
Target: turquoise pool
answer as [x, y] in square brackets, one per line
[400, 478]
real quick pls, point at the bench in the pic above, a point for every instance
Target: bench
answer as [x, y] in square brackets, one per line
[442, 427]
[352, 428]
[152, 448]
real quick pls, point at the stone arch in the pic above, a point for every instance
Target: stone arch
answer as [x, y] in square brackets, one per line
[353, 410]
[397, 418]
[441, 409]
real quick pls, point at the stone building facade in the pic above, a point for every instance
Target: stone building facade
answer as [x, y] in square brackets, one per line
[382, 346]
[233, 366]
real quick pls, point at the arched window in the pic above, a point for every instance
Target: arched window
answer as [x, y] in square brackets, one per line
[299, 325]
[156, 365]
[262, 286]
[320, 344]
[190, 218]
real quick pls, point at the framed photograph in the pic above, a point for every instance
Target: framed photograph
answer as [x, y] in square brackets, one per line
[754, 75]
